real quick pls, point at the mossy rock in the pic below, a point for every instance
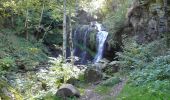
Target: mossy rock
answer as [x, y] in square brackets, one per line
[7, 92]
[93, 75]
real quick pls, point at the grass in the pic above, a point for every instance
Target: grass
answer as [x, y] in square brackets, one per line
[107, 86]
[102, 90]
[142, 93]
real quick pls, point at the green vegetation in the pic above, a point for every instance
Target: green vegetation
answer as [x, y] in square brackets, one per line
[148, 69]
[17, 53]
[31, 31]
[107, 86]
[145, 92]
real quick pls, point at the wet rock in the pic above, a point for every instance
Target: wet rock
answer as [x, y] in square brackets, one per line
[93, 75]
[67, 90]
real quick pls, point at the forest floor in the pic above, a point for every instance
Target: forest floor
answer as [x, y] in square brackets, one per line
[91, 94]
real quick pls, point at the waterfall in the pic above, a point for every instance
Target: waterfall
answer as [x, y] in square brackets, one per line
[82, 36]
[80, 43]
[101, 38]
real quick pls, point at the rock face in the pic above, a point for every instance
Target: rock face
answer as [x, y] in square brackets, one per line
[93, 75]
[148, 19]
[67, 90]
[84, 17]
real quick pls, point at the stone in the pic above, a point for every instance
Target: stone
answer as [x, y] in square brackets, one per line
[93, 75]
[100, 65]
[67, 90]
[111, 68]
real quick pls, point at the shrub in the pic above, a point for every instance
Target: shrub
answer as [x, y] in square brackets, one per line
[145, 64]
[45, 81]
[6, 64]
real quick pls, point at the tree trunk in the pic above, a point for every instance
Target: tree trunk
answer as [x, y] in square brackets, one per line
[166, 24]
[39, 26]
[12, 18]
[42, 11]
[64, 31]
[77, 7]
[71, 39]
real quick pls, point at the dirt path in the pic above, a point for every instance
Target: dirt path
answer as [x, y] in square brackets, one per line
[118, 88]
[90, 94]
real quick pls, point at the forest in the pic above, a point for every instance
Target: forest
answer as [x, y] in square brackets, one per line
[84, 49]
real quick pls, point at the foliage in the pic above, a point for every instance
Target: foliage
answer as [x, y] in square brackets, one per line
[6, 63]
[148, 69]
[6, 91]
[45, 81]
[111, 81]
[115, 18]
[137, 56]
[103, 89]
[16, 52]
[160, 92]
[106, 86]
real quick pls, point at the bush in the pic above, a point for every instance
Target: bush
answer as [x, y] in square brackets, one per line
[6, 63]
[136, 56]
[21, 51]
[45, 81]
[147, 64]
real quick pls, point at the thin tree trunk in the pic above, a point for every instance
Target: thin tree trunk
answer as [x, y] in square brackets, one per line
[12, 18]
[26, 25]
[42, 11]
[71, 39]
[166, 24]
[77, 7]
[64, 31]
[39, 25]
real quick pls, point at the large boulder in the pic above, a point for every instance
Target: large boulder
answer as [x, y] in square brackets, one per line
[93, 75]
[67, 90]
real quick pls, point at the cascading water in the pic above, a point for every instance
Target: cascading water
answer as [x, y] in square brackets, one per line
[82, 44]
[101, 38]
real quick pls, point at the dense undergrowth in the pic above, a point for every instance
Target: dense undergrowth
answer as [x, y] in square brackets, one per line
[148, 69]
[26, 71]
[17, 53]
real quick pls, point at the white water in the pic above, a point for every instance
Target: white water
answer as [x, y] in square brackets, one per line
[101, 38]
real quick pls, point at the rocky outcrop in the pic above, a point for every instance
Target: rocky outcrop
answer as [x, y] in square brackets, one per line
[84, 17]
[148, 19]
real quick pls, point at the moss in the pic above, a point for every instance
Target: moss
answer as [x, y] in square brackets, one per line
[103, 90]
[92, 39]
